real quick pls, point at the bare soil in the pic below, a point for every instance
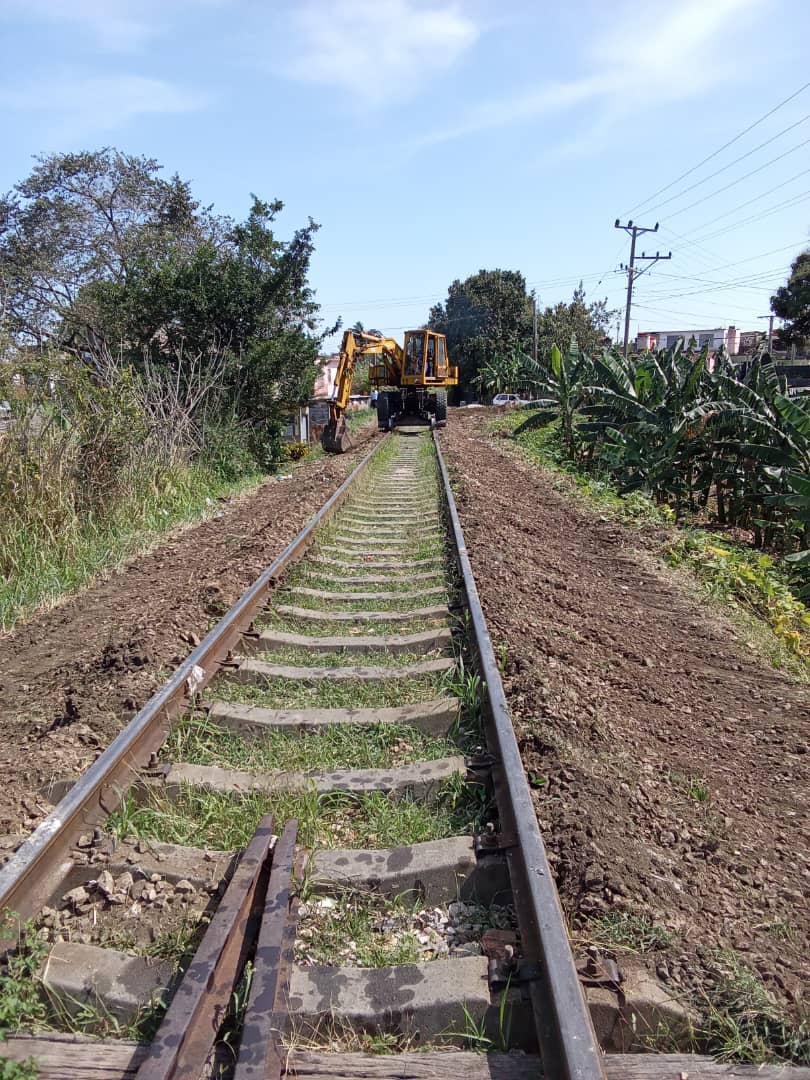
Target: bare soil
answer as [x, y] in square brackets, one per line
[669, 765]
[71, 677]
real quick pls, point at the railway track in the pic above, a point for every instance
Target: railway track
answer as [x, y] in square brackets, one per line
[335, 758]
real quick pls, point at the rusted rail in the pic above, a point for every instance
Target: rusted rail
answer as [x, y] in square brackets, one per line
[565, 1034]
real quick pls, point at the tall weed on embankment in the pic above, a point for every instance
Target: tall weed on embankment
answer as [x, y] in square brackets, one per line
[90, 463]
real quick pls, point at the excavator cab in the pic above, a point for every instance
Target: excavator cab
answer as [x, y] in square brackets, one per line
[426, 362]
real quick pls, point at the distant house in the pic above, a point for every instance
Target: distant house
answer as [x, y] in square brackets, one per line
[715, 338]
[750, 340]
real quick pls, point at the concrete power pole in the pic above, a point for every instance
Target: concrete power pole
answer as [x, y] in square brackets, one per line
[770, 319]
[534, 327]
[635, 231]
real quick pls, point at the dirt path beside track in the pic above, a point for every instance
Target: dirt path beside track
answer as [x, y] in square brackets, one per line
[670, 768]
[71, 677]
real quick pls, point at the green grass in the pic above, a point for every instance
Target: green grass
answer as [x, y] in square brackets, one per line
[633, 933]
[754, 584]
[226, 822]
[26, 1007]
[359, 917]
[197, 740]
[742, 1022]
[313, 627]
[304, 657]
[45, 566]
[347, 694]
[332, 577]
[405, 602]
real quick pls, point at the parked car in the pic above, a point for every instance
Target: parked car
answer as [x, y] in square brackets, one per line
[508, 399]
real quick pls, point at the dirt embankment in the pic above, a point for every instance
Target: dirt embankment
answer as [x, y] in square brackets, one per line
[72, 676]
[670, 768]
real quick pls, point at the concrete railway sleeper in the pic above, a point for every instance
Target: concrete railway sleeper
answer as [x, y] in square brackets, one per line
[318, 837]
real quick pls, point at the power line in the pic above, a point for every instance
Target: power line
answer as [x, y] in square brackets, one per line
[748, 202]
[740, 179]
[715, 153]
[794, 201]
[750, 283]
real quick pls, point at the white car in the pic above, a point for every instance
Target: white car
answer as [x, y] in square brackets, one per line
[508, 399]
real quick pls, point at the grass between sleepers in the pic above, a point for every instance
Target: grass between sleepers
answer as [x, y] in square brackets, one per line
[324, 694]
[196, 740]
[326, 627]
[227, 821]
[406, 602]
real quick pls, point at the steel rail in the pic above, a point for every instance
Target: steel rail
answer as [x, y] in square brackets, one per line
[33, 874]
[566, 1038]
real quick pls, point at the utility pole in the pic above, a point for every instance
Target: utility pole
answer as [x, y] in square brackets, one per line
[635, 231]
[534, 326]
[770, 319]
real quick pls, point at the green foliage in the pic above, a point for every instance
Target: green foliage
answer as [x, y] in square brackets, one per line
[89, 467]
[742, 1022]
[699, 441]
[294, 451]
[486, 316]
[791, 302]
[18, 1070]
[755, 582]
[623, 930]
[21, 1004]
[153, 348]
[561, 393]
[586, 323]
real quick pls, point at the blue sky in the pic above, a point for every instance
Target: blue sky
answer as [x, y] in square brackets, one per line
[431, 138]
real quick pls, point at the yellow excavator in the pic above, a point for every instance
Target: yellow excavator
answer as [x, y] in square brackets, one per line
[411, 381]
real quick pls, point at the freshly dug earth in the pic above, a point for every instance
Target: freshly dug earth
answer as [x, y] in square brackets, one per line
[669, 766]
[71, 677]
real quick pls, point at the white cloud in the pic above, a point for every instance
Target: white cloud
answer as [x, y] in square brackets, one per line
[662, 54]
[377, 50]
[86, 104]
[115, 25]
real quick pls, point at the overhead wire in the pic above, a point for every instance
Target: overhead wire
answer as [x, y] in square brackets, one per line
[719, 150]
[740, 179]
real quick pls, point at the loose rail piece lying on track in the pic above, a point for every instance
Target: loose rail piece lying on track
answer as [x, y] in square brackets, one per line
[190, 1025]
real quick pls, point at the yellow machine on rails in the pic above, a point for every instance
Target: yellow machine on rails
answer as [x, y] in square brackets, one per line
[411, 381]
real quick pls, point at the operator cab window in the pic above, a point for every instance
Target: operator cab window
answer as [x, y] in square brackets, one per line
[430, 366]
[413, 357]
[441, 352]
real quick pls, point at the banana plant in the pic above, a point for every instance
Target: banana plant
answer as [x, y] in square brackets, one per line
[561, 393]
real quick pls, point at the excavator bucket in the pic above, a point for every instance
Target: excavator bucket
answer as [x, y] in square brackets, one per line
[335, 438]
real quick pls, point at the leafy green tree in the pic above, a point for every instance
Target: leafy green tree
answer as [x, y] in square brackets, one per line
[585, 322]
[78, 219]
[487, 315]
[791, 302]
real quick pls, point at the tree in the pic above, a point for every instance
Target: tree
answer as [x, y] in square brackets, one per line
[487, 315]
[587, 323]
[81, 218]
[101, 257]
[791, 302]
